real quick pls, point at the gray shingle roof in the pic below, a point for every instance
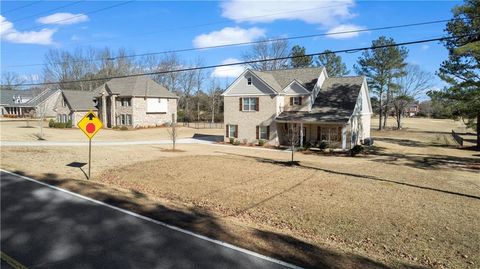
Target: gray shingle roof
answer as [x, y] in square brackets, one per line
[30, 98]
[335, 101]
[79, 100]
[141, 86]
[279, 79]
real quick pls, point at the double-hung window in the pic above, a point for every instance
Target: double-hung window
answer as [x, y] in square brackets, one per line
[249, 104]
[232, 130]
[249, 81]
[125, 101]
[296, 101]
[124, 119]
[263, 132]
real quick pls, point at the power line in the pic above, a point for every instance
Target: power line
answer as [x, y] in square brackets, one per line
[21, 7]
[249, 62]
[247, 43]
[80, 15]
[45, 12]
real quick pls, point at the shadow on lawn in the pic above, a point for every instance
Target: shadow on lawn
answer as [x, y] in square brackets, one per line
[412, 143]
[145, 249]
[276, 245]
[304, 166]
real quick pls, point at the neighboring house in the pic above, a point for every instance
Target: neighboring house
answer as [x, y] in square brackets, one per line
[413, 110]
[73, 105]
[136, 102]
[21, 103]
[264, 105]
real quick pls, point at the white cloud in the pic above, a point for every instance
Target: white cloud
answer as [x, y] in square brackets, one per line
[344, 28]
[324, 13]
[10, 34]
[63, 18]
[425, 47]
[228, 71]
[228, 35]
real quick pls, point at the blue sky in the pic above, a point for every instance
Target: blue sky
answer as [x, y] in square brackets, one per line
[151, 26]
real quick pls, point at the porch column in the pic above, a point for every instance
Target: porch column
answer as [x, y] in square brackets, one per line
[104, 110]
[113, 116]
[301, 134]
[344, 137]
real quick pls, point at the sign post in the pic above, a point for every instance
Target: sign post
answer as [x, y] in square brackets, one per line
[90, 125]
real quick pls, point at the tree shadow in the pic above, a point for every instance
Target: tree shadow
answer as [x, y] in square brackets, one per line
[304, 166]
[40, 229]
[426, 161]
[411, 143]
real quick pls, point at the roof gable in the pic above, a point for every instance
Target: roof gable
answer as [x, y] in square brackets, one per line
[259, 85]
[137, 86]
[295, 88]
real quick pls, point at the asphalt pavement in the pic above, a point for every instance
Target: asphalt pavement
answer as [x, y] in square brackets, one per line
[46, 227]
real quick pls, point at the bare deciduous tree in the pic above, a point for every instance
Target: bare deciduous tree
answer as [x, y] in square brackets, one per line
[415, 82]
[172, 132]
[10, 80]
[293, 137]
[268, 50]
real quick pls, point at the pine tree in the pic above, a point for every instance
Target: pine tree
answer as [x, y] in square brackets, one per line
[381, 66]
[333, 63]
[299, 60]
[462, 68]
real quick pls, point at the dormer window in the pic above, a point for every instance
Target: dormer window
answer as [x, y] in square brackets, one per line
[249, 81]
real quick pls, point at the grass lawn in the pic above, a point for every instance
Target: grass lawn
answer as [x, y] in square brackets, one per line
[413, 200]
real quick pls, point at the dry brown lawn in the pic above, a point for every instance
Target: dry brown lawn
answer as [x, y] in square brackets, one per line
[18, 131]
[413, 200]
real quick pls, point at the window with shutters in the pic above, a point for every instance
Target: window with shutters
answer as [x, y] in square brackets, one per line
[296, 101]
[232, 131]
[249, 104]
[263, 132]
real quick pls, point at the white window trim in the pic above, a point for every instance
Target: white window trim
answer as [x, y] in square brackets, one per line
[296, 100]
[230, 129]
[249, 81]
[265, 132]
[249, 104]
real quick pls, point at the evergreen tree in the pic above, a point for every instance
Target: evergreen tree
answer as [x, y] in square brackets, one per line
[462, 68]
[300, 59]
[381, 66]
[333, 63]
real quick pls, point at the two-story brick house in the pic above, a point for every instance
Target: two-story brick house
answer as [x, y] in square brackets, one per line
[136, 102]
[260, 105]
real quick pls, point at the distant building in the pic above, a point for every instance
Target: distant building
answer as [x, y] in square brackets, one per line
[21, 103]
[73, 105]
[413, 110]
[136, 102]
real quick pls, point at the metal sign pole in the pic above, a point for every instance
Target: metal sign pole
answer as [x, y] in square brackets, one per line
[89, 156]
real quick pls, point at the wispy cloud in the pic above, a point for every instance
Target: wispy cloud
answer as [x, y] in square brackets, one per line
[63, 18]
[228, 71]
[344, 31]
[228, 35]
[323, 13]
[10, 34]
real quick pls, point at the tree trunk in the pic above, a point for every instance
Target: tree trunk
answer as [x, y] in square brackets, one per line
[213, 109]
[478, 131]
[380, 108]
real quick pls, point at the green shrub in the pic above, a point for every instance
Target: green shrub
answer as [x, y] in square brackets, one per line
[51, 123]
[356, 150]
[322, 145]
[232, 140]
[307, 145]
[261, 142]
[69, 124]
[115, 127]
[124, 128]
[236, 142]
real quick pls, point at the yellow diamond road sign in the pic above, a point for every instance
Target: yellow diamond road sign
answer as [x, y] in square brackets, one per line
[90, 124]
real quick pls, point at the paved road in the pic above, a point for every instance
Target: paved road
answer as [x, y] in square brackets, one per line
[42, 227]
[100, 143]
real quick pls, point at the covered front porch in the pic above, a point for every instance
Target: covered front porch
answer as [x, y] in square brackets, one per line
[313, 134]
